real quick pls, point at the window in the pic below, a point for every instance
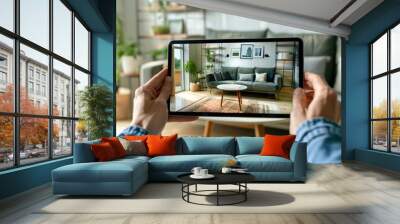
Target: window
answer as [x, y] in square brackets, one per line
[7, 14]
[30, 87]
[44, 125]
[385, 95]
[7, 73]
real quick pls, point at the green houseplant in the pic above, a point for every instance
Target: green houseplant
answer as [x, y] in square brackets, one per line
[128, 59]
[96, 103]
[191, 68]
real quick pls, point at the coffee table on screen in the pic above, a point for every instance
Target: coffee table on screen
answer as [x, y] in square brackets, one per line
[238, 179]
[232, 88]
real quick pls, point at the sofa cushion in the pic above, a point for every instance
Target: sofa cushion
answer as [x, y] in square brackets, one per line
[112, 171]
[270, 72]
[231, 70]
[261, 77]
[246, 77]
[245, 70]
[257, 163]
[185, 163]
[218, 76]
[206, 145]
[249, 145]
[83, 152]
[226, 76]
[161, 145]
[103, 152]
[277, 145]
[264, 86]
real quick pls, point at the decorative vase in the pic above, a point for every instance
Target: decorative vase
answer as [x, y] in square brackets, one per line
[130, 65]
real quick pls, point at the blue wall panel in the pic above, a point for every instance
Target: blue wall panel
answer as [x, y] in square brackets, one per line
[356, 94]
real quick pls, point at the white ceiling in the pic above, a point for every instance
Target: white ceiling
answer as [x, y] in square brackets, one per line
[314, 15]
[321, 9]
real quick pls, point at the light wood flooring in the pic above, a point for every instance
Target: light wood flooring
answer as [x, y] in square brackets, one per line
[378, 189]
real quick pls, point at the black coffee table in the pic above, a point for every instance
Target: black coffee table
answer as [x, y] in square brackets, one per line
[238, 179]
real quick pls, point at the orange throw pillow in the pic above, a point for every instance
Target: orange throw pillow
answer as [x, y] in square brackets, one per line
[135, 138]
[103, 152]
[277, 145]
[116, 145]
[161, 145]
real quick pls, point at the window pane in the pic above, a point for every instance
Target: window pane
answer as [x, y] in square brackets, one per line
[34, 72]
[6, 142]
[7, 14]
[6, 74]
[35, 21]
[81, 81]
[379, 135]
[62, 138]
[81, 131]
[62, 29]
[379, 55]
[395, 94]
[81, 45]
[33, 140]
[62, 89]
[395, 136]
[395, 47]
[379, 97]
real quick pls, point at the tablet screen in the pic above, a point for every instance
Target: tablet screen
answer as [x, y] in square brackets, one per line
[235, 77]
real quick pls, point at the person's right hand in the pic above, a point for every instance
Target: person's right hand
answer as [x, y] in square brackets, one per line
[317, 99]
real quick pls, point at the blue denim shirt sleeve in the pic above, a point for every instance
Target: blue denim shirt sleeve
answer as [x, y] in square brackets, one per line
[133, 130]
[323, 139]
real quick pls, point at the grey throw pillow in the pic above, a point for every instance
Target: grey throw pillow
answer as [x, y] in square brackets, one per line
[261, 77]
[226, 76]
[245, 77]
[133, 148]
[218, 76]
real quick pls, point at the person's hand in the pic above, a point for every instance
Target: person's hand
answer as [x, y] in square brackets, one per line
[150, 104]
[317, 99]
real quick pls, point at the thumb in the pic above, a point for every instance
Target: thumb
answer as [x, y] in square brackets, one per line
[165, 90]
[298, 114]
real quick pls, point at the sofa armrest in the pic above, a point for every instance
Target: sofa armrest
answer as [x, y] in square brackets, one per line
[278, 80]
[83, 152]
[298, 155]
[210, 78]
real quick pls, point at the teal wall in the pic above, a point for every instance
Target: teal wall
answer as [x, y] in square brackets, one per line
[356, 85]
[100, 16]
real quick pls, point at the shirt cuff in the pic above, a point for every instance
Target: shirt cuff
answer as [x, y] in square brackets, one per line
[134, 130]
[313, 128]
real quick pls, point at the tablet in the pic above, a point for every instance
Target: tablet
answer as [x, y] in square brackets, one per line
[234, 77]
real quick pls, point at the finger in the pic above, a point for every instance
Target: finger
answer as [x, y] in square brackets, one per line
[177, 118]
[299, 100]
[298, 114]
[157, 81]
[314, 81]
[166, 89]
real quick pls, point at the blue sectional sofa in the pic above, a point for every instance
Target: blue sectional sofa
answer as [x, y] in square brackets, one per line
[125, 176]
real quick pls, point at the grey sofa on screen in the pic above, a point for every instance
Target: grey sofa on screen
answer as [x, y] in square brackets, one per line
[230, 75]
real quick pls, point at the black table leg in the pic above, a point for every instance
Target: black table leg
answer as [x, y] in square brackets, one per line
[217, 194]
[196, 187]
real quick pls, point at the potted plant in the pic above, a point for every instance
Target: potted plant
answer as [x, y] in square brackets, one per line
[127, 55]
[164, 27]
[191, 68]
[96, 103]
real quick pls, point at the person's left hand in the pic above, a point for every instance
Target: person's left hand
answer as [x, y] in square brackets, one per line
[150, 104]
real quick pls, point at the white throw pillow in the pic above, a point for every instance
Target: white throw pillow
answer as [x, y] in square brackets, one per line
[261, 77]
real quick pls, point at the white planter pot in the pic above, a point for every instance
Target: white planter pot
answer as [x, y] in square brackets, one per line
[130, 65]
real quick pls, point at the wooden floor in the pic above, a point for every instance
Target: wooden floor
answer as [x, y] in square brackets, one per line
[378, 189]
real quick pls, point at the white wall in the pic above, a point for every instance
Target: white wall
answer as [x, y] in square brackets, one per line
[269, 48]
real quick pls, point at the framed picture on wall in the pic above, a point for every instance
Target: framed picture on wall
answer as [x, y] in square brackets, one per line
[235, 52]
[246, 51]
[258, 51]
